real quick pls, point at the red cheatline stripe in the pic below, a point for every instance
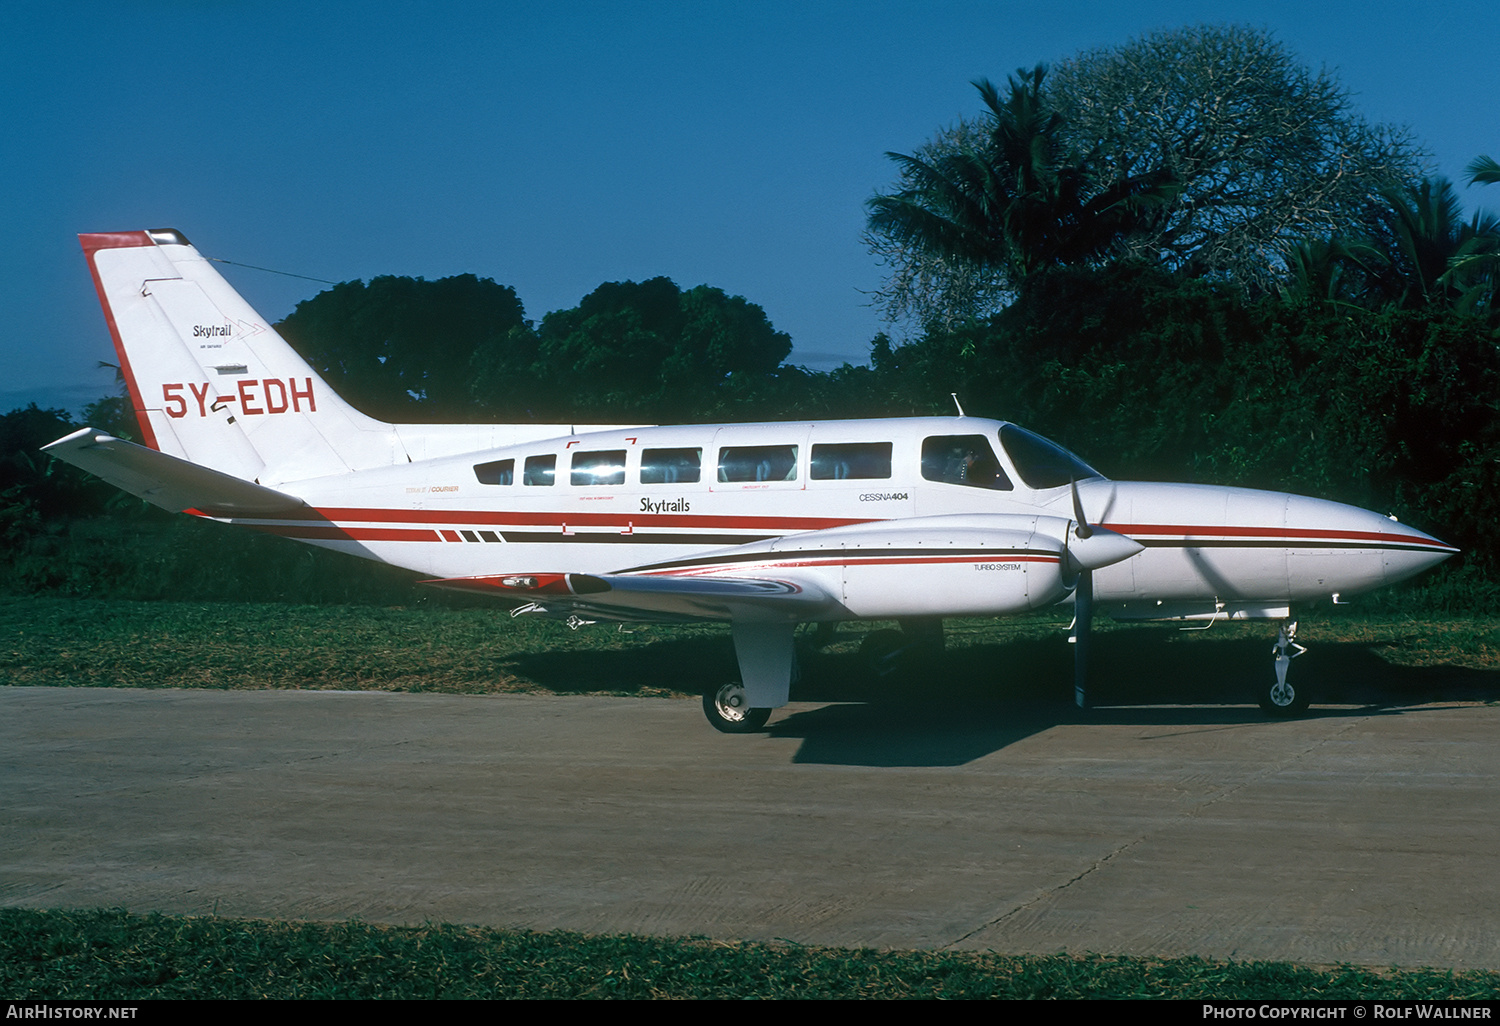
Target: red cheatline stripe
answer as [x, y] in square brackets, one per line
[1186, 533]
[742, 569]
[1290, 535]
[619, 520]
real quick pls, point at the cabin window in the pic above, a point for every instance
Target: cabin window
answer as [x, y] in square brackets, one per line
[540, 470]
[758, 463]
[963, 460]
[851, 461]
[606, 467]
[671, 466]
[500, 472]
[1041, 463]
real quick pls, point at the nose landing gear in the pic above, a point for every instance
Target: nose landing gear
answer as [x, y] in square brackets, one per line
[1282, 699]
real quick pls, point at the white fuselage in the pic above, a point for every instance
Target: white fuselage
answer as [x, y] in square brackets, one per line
[629, 499]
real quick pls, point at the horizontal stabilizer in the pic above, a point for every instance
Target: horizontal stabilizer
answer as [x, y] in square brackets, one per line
[166, 481]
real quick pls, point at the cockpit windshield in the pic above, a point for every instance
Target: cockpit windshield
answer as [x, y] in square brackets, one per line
[1042, 464]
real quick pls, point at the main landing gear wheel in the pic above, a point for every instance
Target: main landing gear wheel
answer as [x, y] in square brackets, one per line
[726, 709]
[1284, 700]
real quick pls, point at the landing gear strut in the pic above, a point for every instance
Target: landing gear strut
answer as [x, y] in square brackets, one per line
[1282, 699]
[914, 648]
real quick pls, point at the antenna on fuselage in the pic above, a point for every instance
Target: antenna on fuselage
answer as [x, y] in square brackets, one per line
[960, 405]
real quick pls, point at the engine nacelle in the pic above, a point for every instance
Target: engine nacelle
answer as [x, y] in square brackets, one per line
[937, 566]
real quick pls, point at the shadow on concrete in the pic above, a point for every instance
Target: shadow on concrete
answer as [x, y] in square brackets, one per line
[977, 699]
[980, 699]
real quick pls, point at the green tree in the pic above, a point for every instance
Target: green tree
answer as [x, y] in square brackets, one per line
[1260, 152]
[1003, 207]
[36, 491]
[1431, 255]
[400, 348]
[1331, 271]
[1266, 152]
[633, 351]
[1483, 170]
[1475, 268]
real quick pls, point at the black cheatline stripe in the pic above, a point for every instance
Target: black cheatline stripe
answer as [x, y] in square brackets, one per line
[1187, 543]
[638, 538]
[794, 555]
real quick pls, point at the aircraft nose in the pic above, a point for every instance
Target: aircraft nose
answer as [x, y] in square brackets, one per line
[1323, 531]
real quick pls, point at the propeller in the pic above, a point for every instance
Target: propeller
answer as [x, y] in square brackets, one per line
[1083, 616]
[1083, 604]
[1088, 549]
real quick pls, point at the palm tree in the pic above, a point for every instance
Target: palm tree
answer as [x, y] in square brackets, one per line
[1330, 270]
[1430, 254]
[1420, 230]
[1475, 268]
[1016, 204]
[1483, 171]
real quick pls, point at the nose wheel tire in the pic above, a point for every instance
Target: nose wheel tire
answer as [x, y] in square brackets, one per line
[728, 711]
[1283, 700]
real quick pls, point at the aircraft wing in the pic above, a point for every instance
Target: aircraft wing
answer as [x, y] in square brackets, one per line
[641, 597]
[166, 481]
[964, 565]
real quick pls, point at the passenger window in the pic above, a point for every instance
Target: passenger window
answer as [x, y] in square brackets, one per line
[963, 460]
[852, 461]
[671, 466]
[606, 467]
[500, 472]
[540, 470]
[758, 463]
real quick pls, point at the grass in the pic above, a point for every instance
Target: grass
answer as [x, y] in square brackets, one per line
[82, 642]
[115, 956]
[1359, 658]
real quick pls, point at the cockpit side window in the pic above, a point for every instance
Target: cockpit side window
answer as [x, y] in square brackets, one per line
[1041, 463]
[963, 460]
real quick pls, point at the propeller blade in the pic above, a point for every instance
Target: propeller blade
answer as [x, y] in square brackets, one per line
[1083, 530]
[1083, 618]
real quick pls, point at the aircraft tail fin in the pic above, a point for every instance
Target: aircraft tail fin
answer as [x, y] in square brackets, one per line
[209, 379]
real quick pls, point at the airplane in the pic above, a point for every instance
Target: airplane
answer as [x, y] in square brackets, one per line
[765, 526]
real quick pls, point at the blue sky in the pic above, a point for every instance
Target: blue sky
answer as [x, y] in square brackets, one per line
[556, 146]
